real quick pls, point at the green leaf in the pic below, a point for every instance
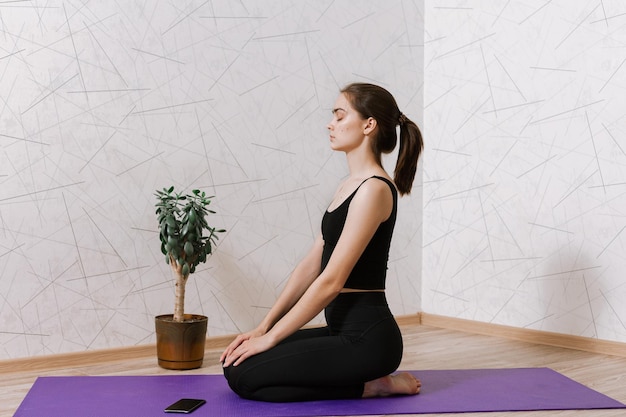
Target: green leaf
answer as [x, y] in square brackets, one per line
[183, 227]
[188, 248]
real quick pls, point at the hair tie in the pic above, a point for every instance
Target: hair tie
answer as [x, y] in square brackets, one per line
[402, 119]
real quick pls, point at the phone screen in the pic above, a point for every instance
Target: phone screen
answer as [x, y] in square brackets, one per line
[185, 406]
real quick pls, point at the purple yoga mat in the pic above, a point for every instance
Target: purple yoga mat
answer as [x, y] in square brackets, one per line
[443, 391]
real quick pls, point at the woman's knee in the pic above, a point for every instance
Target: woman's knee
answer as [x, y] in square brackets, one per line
[237, 381]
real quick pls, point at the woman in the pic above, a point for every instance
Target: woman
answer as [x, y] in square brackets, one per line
[343, 274]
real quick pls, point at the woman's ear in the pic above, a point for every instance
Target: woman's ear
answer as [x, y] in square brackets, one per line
[369, 126]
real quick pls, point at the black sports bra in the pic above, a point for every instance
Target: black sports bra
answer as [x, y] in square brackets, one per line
[370, 271]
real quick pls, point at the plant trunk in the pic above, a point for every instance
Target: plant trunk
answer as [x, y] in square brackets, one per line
[179, 297]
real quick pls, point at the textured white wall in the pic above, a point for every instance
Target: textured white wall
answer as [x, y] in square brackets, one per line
[524, 177]
[103, 102]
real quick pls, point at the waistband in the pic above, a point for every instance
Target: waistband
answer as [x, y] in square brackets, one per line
[374, 298]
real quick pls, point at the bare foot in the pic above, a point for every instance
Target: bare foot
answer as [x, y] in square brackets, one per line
[400, 384]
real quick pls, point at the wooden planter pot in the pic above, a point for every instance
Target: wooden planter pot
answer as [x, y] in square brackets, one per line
[180, 346]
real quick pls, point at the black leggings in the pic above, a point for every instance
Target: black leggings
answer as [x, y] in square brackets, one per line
[361, 342]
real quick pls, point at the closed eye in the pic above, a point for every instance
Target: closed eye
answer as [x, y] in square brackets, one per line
[339, 113]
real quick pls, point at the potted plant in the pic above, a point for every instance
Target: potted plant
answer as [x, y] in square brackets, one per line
[186, 241]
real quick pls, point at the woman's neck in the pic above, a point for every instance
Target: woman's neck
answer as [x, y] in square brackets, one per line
[362, 164]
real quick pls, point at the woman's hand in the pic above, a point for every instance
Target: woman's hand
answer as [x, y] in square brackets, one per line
[245, 346]
[238, 341]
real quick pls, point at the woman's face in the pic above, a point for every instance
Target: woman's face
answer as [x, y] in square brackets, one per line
[346, 128]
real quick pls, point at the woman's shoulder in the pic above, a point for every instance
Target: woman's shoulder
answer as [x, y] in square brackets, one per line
[379, 190]
[378, 184]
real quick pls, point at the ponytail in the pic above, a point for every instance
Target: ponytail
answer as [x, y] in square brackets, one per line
[411, 145]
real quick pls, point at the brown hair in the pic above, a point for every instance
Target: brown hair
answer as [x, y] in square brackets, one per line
[373, 101]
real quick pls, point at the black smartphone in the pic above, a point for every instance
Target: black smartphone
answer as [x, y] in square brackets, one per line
[184, 406]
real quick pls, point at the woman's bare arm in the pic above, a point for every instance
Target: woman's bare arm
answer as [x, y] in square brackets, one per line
[300, 279]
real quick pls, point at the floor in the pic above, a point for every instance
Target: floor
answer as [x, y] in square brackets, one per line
[425, 348]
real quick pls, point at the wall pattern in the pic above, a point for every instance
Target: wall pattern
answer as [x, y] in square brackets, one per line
[524, 177]
[101, 103]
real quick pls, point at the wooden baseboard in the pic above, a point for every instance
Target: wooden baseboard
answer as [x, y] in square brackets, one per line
[409, 320]
[587, 344]
[78, 359]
